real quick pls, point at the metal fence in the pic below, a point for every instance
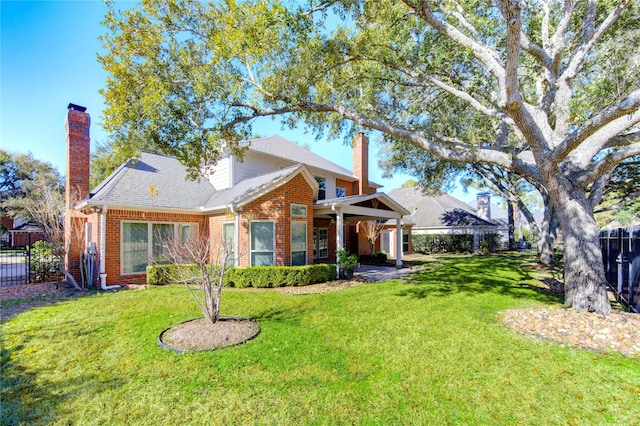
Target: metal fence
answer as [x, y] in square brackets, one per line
[14, 266]
[621, 257]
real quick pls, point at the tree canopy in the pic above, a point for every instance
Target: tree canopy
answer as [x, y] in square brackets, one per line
[548, 90]
[21, 177]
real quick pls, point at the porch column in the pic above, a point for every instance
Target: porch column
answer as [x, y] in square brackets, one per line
[398, 243]
[339, 233]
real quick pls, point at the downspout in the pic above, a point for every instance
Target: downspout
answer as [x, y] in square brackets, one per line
[103, 248]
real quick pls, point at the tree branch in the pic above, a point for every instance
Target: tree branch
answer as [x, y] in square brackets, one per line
[604, 124]
[625, 201]
[482, 52]
[608, 164]
[572, 68]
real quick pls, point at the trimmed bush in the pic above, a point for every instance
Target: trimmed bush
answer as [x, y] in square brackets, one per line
[254, 276]
[453, 243]
[280, 276]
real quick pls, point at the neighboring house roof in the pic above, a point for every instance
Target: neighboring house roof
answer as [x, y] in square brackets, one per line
[153, 181]
[30, 226]
[252, 188]
[443, 211]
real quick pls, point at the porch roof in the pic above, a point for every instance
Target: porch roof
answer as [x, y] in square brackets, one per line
[375, 206]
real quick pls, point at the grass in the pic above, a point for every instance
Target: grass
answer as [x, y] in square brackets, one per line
[429, 350]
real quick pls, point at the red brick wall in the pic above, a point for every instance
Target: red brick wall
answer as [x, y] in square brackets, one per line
[116, 217]
[361, 164]
[349, 186]
[276, 206]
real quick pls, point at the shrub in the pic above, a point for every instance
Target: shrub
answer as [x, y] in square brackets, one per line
[43, 263]
[254, 276]
[443, 243]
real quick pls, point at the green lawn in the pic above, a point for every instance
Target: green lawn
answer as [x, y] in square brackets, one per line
[425, 351]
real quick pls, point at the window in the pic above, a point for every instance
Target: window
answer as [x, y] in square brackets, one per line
[298, 243]
[298, 210]
[229, 239]
[405, 241]
[341, 192]
[320, 243]
[135, 247]
[322, 183]
[262, 243]
[143, 243]
[162, 233]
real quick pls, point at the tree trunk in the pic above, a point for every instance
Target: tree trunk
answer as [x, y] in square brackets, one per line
[511, 215]
[584, 279]
[548, 234]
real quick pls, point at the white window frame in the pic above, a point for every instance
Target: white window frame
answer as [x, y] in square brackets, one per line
[304, 206]
[306, 242]
[318, 179]
[251, 251]
[316, 242]
[232, 259]
[176, 231]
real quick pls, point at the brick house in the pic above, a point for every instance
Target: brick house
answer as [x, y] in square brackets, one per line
[282, 205]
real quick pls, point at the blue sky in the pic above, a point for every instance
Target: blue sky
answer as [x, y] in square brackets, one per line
[49, 58]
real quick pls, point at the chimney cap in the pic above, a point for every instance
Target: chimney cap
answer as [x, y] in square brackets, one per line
[483, 194]
[75, 107]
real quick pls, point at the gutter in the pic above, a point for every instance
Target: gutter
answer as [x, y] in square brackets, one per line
[103, 248]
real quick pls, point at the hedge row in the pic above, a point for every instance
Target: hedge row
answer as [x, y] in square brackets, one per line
[254, 276]
[453, 243]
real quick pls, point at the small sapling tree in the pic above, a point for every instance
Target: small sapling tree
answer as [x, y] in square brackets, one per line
[201, 266]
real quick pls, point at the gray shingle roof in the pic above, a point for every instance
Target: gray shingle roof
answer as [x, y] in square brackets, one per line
[436, 212]
[154, 181]
[279, 147]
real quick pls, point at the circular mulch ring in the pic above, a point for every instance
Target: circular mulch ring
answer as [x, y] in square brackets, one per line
[200, 335]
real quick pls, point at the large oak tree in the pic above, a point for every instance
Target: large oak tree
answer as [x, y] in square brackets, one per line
[535, 88]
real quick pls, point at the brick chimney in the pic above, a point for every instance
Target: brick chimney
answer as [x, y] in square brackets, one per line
[77, 185]
[78, 154]
[361, 163]
[483, 204]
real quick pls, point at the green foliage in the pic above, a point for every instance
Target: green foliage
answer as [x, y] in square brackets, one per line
[254, 276]
[43, 263]
[442, 243]
[490, 243]
[21, 177]
[347, 260]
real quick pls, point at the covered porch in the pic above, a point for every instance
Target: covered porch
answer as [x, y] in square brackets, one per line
[346, 212]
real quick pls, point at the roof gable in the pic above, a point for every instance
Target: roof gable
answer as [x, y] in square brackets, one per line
[250, 189]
